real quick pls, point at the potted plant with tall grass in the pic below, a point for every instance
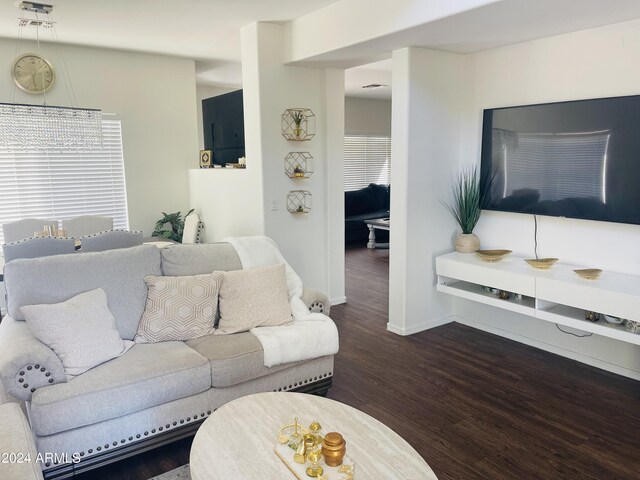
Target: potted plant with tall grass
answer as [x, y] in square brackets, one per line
[466, 208]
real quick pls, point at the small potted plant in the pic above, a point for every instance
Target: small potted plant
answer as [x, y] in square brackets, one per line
[298, 171]
[466, 208]
[297, 116]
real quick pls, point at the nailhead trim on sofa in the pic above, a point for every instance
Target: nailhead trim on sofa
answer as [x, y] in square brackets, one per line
[189, 419]
[25, 374]
[316, 307]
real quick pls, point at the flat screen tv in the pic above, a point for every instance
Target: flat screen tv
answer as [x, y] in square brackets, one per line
[223, 124]
[578, 159]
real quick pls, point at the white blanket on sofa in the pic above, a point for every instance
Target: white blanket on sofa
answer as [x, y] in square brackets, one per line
[310, 335]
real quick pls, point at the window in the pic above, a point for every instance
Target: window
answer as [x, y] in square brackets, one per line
[62, 184]
[367, 159]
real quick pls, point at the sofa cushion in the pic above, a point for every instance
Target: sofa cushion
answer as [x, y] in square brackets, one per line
[234, 358]
[360, 201]
[256, 297]
[145, 376]
[199, 258]
[369, 199]
[179, 308]
[81, 331]
[120, 273]
[381, 195]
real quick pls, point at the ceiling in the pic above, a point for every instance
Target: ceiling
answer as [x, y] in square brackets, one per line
[205, 30]
[372, 73]
[208, 31]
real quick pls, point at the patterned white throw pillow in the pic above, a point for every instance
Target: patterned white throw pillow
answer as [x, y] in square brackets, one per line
[179, 308]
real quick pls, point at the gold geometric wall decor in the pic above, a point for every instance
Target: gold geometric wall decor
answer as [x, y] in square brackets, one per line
[299, 201]
[298, 124]
[298, 165]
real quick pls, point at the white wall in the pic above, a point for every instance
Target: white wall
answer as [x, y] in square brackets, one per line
[155, 98]
[367, 116]
[203, 92]
[269, 88]
[592, 63]
[228, 200]
[426, 136]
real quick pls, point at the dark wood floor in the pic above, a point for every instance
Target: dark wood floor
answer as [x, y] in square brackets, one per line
[474, 405]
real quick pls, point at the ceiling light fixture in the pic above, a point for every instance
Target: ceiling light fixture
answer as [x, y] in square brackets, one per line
[36, 7]
[44, 127]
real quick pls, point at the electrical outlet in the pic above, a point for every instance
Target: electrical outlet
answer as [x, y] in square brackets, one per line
[274, 204]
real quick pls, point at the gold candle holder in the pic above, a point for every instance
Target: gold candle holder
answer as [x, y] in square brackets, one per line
[315, 470]
[300, 455]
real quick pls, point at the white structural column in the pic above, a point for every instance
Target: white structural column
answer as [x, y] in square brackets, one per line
[270, 87]
[426, 124]
[334, 86]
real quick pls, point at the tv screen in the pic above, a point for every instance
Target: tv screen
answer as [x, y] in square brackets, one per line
[578, 159]
[223, 124]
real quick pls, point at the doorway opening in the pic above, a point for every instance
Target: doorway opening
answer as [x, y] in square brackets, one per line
[367, 186]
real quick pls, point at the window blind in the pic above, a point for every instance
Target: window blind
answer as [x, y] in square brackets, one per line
[367, 159]
[64, 184]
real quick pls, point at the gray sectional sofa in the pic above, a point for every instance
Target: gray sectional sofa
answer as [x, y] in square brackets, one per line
[154, 393]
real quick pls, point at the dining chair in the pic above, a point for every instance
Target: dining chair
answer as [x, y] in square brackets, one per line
[110, 240]
[87, 224]
[37, 247]
[192, 228]
[22, 229]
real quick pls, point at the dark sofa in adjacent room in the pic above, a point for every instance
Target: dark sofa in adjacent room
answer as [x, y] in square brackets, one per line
[364, 204]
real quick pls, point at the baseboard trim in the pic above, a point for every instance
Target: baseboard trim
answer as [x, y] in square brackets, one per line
[420, 327]
[338, 301]
[594, 362]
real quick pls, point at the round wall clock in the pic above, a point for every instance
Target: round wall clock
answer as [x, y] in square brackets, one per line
[33, 73]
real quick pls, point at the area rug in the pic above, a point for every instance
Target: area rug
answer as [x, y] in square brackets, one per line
[180, 473]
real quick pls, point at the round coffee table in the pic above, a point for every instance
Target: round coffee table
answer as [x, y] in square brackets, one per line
[237, 440]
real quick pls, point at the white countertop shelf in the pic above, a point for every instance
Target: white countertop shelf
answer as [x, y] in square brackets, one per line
[472, 291]
[574, 318]
[507, 274]
[555, 295]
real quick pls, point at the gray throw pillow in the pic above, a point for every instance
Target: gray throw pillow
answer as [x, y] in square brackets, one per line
[251, 298]
[179, 308]
[81, 331]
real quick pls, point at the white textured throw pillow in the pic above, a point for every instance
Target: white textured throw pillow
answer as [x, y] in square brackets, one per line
[81, 331]
[179, 308]
[251, 298]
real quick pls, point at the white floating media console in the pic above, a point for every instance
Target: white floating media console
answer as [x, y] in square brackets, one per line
[555, 295]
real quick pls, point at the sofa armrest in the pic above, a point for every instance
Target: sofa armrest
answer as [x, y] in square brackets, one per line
[17, 439]
[316, 301]
[26, 363]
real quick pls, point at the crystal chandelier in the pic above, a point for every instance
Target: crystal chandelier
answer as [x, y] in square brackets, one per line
[35, 127]
[44, 127]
